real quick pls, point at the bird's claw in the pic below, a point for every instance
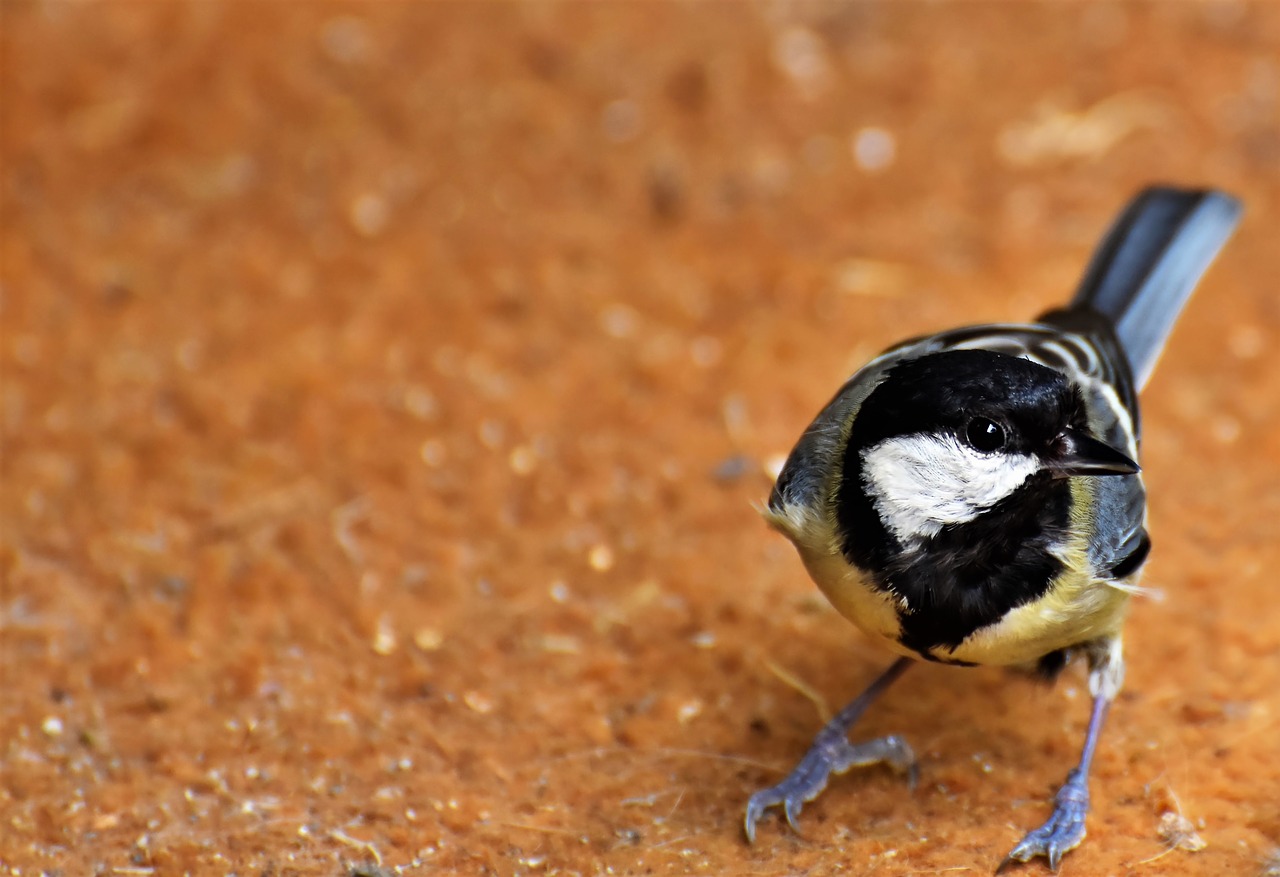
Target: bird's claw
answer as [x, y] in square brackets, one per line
[791, 793]
[827, 757]
[1061, 833]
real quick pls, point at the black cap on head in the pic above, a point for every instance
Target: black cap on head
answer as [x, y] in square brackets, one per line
[1029, 404]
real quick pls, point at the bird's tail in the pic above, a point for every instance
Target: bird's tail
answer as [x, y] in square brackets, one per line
[1144, 270]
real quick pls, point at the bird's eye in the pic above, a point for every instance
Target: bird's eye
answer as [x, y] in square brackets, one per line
[985, 435]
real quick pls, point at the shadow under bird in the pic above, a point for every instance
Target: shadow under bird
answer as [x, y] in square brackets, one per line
[974, 497]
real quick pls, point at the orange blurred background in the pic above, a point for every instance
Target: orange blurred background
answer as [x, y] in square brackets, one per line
[386, 389]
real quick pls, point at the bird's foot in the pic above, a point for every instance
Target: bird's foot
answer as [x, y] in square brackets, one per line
[1062, 832]
[828, 755]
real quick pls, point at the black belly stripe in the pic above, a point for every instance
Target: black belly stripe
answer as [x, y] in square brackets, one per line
[969, 575]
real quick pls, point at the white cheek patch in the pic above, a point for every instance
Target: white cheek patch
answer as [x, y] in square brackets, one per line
[921, 483]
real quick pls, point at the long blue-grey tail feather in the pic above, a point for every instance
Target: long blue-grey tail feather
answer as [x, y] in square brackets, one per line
[1144, 270]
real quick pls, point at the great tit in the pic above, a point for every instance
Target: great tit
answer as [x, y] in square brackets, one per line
[974, 497]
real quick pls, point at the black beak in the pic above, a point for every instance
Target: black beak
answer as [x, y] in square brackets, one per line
[1077, 453]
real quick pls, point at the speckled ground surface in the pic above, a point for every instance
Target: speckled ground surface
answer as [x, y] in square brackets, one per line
[386, 389]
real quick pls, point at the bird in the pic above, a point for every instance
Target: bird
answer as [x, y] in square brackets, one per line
[974, 497]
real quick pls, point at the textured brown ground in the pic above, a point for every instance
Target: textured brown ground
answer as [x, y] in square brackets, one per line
[386, 389]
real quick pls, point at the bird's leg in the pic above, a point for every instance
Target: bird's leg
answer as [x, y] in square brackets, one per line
[832, 753]
[1065, 828]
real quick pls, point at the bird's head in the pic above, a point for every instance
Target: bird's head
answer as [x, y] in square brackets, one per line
[944, 438]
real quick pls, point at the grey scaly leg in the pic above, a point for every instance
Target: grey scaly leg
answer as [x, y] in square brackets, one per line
[1065, 828]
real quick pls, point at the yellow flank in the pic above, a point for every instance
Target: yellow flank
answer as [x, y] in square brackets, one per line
[1077, 609]
[844, 585]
